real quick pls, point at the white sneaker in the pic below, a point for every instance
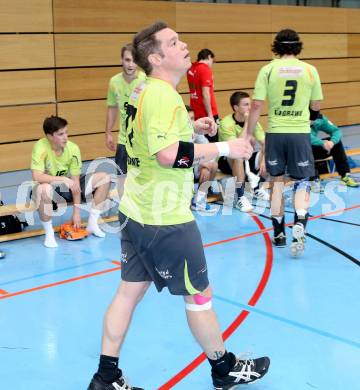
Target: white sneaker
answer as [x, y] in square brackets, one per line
[253, 179]
[262, 194]
[298, 245]
[244, 205]
[203, 206]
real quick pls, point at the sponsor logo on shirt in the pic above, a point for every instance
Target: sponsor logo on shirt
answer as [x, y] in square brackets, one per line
[272, 162]
[290, 71]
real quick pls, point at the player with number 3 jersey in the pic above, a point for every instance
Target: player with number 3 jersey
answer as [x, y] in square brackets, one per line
[291, 86]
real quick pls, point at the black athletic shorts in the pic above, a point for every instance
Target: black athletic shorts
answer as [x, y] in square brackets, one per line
[289, 153]
[225, 167]
[170, 256]
[121, 159]
[66, 194]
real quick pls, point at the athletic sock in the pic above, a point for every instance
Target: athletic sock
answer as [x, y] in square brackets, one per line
[49, 241]
[223, 365]
[108, 368]
[92, 226]
[278, 225]
[239, 190]
[301, 215]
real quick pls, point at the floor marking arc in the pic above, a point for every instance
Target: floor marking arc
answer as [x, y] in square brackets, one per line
[241, 317]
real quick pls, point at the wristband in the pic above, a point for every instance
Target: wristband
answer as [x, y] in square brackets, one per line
[223, 148]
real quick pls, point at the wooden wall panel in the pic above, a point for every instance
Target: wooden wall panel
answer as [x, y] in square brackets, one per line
[84, 117]
[250, 47]
[95, 30]
[26, 16]
[341, 94]
[231, 47]
[104, 49]
[24, 51]
[353, 45]
[91, 83]
[240, 75]
[83, 83]
[92, 146]
[324, 45]
[21, 123]
[333, 70]
[190, 17]
[338, 116]
[24, 87]
[309, 19]
[15, 156]
[229, 76]
[353, 115]
[353, 20]
[354, 69]
[89, 49]
[110, 15]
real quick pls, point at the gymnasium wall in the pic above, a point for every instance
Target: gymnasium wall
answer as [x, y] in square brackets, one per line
[58, 56]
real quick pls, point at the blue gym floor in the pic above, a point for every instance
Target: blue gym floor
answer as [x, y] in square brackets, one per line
[303, 313]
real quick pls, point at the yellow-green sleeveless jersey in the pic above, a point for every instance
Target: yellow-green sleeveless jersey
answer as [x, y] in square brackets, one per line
[118, 95]
[156, 119]
[45, 160]
[289, 85]
[230, 129]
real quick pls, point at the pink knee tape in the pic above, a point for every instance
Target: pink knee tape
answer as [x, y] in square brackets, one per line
[200, 299]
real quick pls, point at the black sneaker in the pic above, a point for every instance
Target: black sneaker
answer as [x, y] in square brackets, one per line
[120, 384]
[280, 240]
[244, 371]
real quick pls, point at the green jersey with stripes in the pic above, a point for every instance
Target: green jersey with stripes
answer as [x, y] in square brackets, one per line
[118, 95]
[44, 159]
[156, 194]
[289, 85]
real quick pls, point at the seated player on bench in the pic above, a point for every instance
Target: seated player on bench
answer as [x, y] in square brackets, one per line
[330, 146]
[56, 166]
[204, 174]
[231, 127]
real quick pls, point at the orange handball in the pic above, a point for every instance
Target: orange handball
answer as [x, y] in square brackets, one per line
[68, 232]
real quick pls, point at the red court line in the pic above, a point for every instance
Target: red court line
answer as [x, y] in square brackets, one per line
[45, 286]
[265, 230]
[241, 317]
[3, 292]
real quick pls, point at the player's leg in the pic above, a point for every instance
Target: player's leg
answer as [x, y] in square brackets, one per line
[98, 184]
[189, 278]
[134, 284]
[43, 196]
[301, 169]
[204, 175]
[275, 152]
[238, 171]
[342, 165]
